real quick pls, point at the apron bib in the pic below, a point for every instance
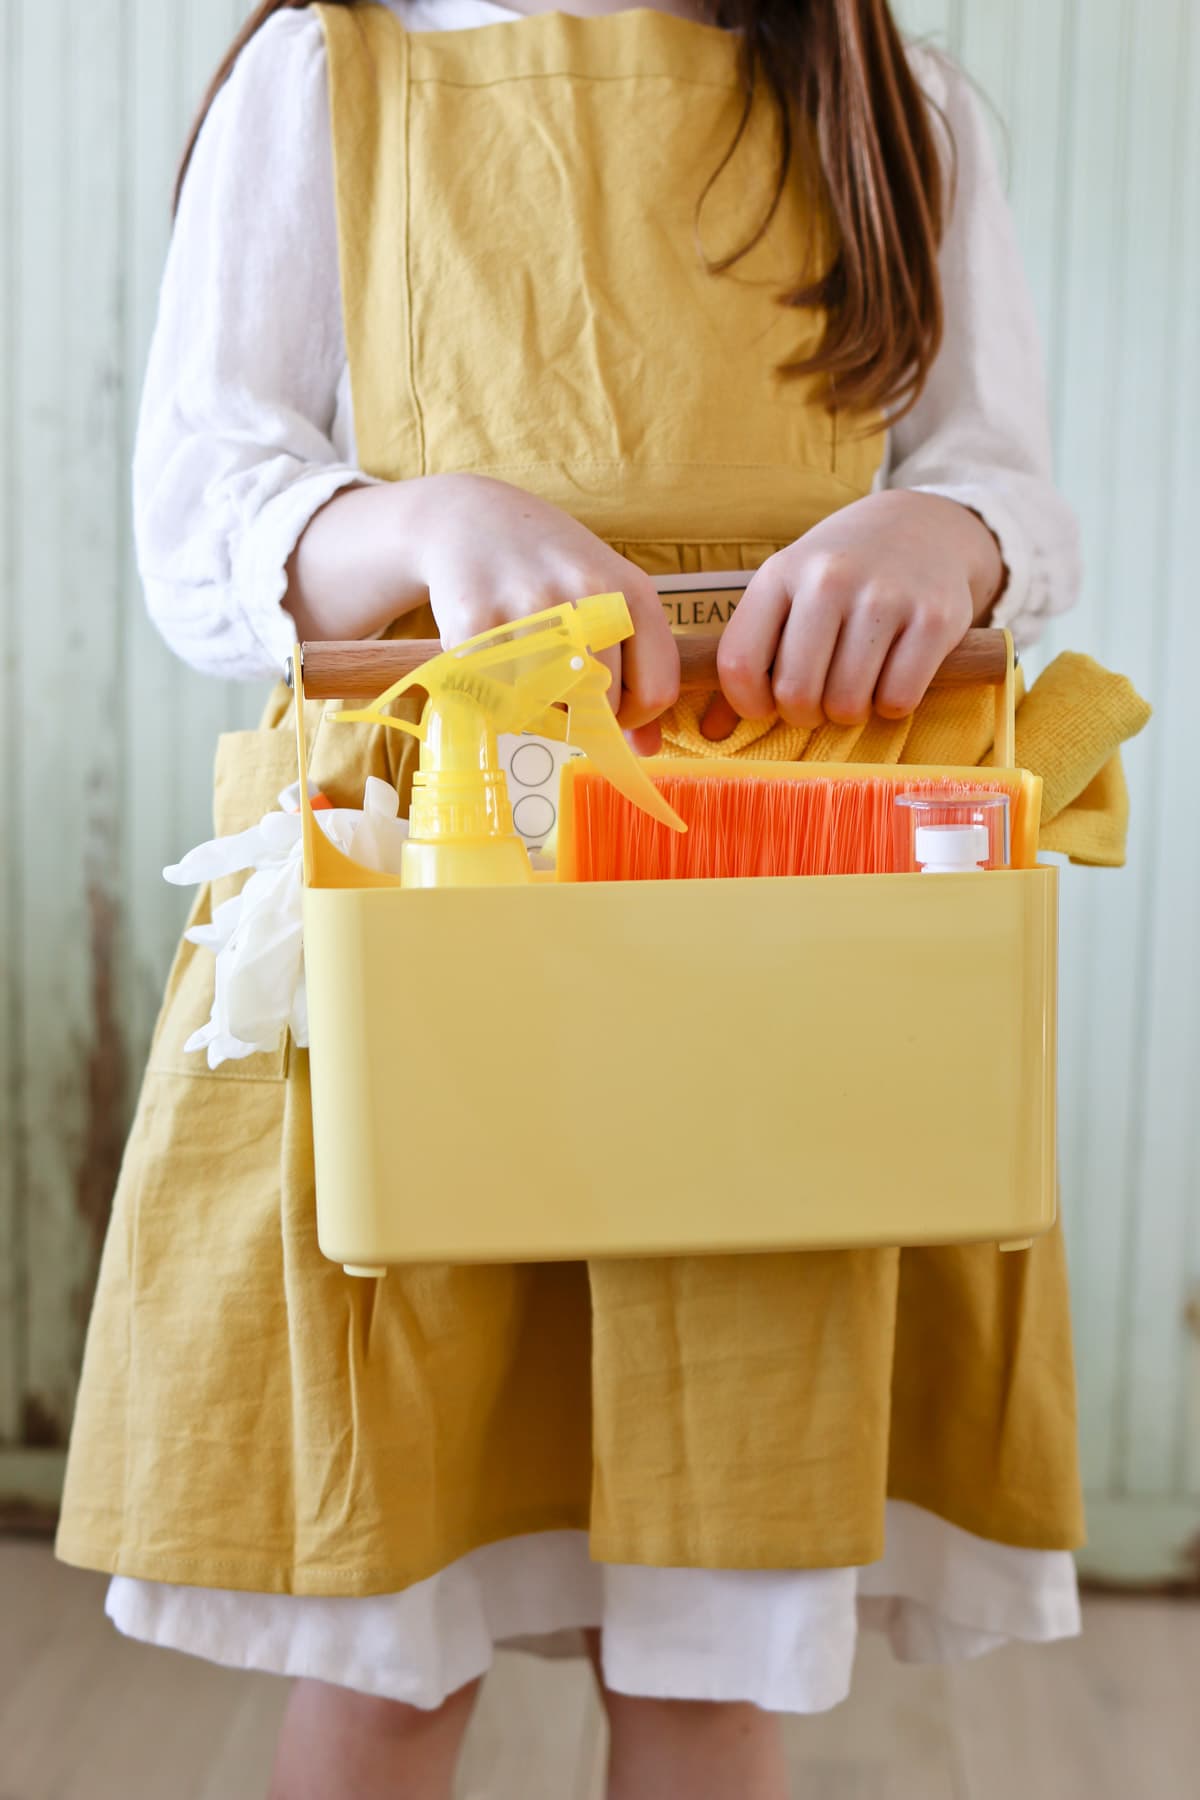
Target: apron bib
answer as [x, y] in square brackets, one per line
[524, 296]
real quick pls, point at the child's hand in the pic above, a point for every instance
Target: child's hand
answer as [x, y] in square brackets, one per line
[860, 610]
[483, 553]
[491, 553]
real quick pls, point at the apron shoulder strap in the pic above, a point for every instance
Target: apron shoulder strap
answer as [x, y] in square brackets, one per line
[367, 51]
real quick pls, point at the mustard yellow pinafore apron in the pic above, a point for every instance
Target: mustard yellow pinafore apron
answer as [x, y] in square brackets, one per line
[523, 296]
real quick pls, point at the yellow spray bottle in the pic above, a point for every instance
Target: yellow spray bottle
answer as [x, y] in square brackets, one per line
[539, 675]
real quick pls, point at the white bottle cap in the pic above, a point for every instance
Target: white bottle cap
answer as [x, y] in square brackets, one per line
[947, 849]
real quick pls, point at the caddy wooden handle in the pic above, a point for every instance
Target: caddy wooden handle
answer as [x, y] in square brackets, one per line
[359, 671]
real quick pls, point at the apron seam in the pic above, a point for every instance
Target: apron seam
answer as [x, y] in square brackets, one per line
[409, 297]
[699, 543]
[609, 462]
[448, 81]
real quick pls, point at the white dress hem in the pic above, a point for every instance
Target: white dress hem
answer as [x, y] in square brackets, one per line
[784, 1640]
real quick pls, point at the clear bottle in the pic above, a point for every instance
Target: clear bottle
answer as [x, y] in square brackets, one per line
[952, 833]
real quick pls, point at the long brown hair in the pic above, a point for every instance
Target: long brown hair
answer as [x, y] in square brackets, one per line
[841, 66]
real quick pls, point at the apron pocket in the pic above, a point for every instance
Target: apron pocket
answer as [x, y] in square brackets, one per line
[252, 769]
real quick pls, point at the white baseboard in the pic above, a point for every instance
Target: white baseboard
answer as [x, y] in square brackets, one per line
[1136, 1542]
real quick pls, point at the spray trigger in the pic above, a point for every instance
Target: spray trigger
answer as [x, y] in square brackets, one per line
[592, 727]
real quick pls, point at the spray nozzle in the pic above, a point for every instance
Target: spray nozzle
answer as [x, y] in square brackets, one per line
[538, 675]
[603, 620]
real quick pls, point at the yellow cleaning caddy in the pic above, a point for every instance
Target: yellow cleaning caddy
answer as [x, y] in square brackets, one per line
[510, 1067]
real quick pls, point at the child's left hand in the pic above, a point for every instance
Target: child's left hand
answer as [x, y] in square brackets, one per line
[858, 612]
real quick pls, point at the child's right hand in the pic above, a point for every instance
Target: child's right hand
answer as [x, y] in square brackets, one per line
[483, 553]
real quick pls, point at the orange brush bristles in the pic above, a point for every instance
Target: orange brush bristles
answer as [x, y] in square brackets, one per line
[746, 826]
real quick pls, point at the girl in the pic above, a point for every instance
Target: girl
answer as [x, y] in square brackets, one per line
[472, 308]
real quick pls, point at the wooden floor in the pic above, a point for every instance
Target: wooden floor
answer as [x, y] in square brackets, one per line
[1115, 1716]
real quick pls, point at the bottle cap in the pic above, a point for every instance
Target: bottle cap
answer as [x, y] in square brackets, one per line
[952, 847]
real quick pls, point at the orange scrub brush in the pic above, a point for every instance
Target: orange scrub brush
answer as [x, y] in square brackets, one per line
[752, 825]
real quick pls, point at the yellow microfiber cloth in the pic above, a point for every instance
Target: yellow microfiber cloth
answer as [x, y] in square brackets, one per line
[1070, 727]
[1069, 731]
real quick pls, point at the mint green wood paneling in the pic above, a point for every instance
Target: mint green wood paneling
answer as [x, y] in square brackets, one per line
[11, 1245]
[51, 814]
[1103, 157]
[1104, 914]
[1158, 336]
[1158, 1398]
[107, 742]
[71, 485]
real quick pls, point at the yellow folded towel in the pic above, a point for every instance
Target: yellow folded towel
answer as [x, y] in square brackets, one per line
[1070, 727]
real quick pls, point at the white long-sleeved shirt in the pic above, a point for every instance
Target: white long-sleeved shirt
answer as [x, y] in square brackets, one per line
[247, 424]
